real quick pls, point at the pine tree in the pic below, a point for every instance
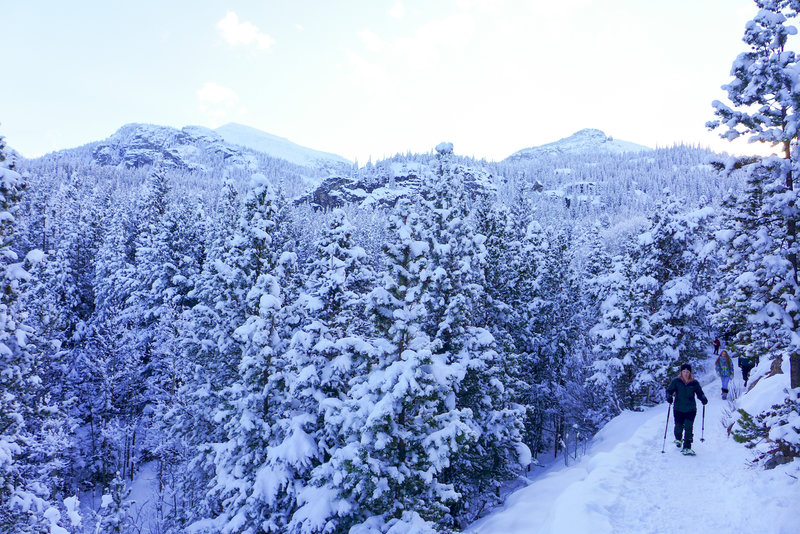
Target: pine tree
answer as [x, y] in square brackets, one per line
[752, 252]
[252, 488]
[765, 102]
[28, 475]
[454, 296]
[114, 515]
[654, 319]
[330, 335]
[400, 422]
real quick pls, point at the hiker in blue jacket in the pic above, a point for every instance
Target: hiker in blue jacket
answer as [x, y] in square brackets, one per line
[683, 389]
[724, 367]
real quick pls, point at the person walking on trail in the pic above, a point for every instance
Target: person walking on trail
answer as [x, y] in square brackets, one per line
[683, 389]
[717, 343]
[746, 364]
[724, 367]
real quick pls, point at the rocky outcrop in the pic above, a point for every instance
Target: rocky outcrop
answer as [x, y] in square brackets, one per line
[382, 187]
[138, 145]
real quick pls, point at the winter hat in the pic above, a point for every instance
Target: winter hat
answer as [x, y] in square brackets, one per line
[686, 366]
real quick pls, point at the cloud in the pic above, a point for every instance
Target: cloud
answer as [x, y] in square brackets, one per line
[242, 33]
[371, 78]
[212, 93]
[431, 41]
[371, 40]
[218, 102]
[397, 10]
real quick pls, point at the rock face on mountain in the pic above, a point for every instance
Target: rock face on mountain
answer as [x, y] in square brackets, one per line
[362, 190]
[137, 145]
[383, 184]
[582, 142]
[197, 148]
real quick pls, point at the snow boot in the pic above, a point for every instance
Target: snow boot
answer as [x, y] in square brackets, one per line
[678, 443]
[688, 452]
[724, 394]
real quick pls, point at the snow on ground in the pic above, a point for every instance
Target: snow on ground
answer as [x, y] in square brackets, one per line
[144, 498]
[625, 485]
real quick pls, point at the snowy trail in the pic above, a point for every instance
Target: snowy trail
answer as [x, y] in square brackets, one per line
[625, 485]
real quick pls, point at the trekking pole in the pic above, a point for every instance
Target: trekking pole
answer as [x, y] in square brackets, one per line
[666, 426]
[703, 429]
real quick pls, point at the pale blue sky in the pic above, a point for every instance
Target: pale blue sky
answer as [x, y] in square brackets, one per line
[369, 77]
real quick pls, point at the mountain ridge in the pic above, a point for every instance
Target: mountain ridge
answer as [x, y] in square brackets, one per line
[168, 144]
[276, 146]
[587, 140]
[138, 144]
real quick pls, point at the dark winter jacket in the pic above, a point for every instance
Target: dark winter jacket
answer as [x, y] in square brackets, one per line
[744, 361]
[684, 395]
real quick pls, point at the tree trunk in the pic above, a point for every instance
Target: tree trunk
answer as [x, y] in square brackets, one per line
[794, 370]
[791, 229]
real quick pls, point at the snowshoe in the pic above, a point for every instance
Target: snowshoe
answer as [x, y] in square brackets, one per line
[678, 443]
[688, 452]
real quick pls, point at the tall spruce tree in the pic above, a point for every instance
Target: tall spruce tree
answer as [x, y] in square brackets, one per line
[253, 488]
[400, 422]
[29, 473]
[654, 320]
[765, 105]
[453, 297]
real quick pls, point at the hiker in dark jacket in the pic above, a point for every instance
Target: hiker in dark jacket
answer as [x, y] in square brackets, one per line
[683, 389]
[746, 364]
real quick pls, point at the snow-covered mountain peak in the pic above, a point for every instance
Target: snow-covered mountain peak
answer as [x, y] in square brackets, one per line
[588, 140]
[137, 144]
[199, 149]
[277, 147]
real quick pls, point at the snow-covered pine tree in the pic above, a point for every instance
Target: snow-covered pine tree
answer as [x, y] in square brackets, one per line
[253, 488]
[560, 364]
[29, 479]
[765, 102]
[655, 320]
[453, 297]
[114, 514]
[60, 302]
[323, 357]
[211, 353]
[622, 333]
[104, 372]
[765, 107]
[175, 260]
[673, 254]
[750, 239]
[136, 350]
[333, 325]
[595, 275]
[525, 294]
[400, 422]
[179, 254]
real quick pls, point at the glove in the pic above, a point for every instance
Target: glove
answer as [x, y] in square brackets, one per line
[669, 400]
[705, 402]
